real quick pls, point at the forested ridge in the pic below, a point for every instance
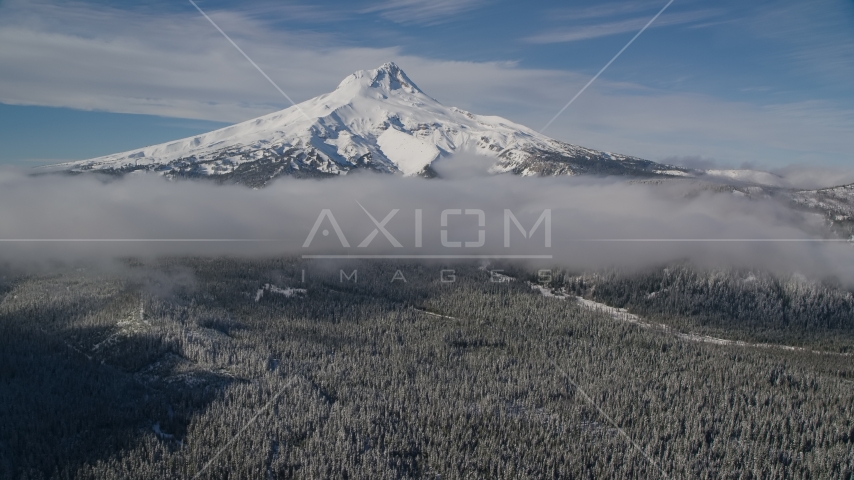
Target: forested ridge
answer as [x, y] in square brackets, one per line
[744, 304]
[186, 367]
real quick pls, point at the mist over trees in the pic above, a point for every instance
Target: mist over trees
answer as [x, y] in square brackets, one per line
[223, 368]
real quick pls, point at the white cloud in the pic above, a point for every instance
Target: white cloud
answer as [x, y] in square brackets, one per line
[295, 12]
[604, 10]
[423, 12]
[816, 37]
[582, 209]
[660, 125]
[633, 25]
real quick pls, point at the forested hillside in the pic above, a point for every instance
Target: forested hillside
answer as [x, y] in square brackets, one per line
[749, 305]
[199, 368]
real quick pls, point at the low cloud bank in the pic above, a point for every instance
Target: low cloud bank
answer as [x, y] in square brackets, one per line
[594, 223]
[805, 177]
[809, 177]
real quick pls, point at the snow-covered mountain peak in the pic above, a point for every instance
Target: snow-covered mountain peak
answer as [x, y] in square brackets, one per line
[381, 83]
[375, 119]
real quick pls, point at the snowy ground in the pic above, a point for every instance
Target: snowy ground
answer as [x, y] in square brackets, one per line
[287, 291]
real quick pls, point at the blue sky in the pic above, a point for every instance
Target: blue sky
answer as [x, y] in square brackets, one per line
[764, 83]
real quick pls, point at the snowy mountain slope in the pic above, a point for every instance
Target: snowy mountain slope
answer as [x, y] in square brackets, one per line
[839, 200]
[836, 204]
[376, 119]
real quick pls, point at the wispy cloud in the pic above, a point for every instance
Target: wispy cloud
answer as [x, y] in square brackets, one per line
[815, 36]
[423, 12]
[597, 30]
[176, 65]
[295, 12]
[607, 10]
